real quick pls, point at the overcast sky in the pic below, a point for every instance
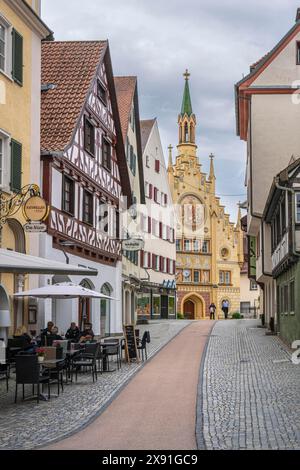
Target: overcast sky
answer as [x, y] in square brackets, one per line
[157, 40]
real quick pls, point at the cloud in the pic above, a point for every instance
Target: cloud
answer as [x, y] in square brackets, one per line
[157, 40]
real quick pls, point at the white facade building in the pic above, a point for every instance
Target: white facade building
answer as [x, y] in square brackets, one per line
[157, 296]
[268, 113]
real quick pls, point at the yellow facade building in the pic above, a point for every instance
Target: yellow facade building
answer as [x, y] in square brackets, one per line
[209, 246]
[21, 33]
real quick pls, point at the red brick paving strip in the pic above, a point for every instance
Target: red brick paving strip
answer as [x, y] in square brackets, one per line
[157, 409]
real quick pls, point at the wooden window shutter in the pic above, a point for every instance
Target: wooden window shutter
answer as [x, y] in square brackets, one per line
[166, 199]
[142, 258]
[157, 166]
[17, 57]
[160, 229]
[150, 191]
[168, 265]
[149, 260]
[149, 224]
[16, 166]
[153, 261]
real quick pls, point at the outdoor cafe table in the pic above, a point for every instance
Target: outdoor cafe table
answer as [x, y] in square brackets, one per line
[104, 356]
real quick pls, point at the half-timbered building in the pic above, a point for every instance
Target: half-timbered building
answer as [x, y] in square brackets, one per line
[85, 177]
[132, 271]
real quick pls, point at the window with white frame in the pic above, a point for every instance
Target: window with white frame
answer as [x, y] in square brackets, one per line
[157, 263]
[297, 208]
[4, 160]
[146, 263]
[6, 51]
[3, 46]
[147, 161]
[165, 232]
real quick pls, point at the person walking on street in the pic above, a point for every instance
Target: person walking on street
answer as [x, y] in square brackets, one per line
[212, 311]
[225, 308]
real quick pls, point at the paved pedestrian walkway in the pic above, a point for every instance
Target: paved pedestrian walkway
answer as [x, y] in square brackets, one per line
[157, 409]
[28, 425]
[249, 397]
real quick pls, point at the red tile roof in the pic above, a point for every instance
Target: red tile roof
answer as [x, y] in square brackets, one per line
[146, 127]
[125, 88]
[71, 66]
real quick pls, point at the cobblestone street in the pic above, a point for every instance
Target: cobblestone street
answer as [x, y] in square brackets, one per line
[28, 425]
[249, 391]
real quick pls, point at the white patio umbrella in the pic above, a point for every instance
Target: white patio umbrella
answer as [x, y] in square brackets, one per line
[66, 290]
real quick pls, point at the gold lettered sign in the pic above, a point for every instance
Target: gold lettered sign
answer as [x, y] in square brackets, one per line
[35, 209]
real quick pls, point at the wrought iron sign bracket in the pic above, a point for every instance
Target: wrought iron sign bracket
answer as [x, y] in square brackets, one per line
[9, 206]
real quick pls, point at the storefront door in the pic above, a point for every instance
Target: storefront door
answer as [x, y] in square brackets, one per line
[164, 307]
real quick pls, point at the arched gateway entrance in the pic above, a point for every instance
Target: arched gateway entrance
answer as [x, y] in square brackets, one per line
[193, 307]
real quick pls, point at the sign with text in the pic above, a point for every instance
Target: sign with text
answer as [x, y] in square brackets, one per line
[133, 244]
[35, 209]
[252, 257]
[130, 343]
[35, 228]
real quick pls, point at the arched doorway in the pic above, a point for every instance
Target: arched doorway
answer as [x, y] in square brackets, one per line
[19, 318]
[189, 310]
[193, 307]
[5, 321]
[85, 304]
[106, 289]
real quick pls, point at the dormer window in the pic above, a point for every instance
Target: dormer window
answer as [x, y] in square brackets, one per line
[101, 93]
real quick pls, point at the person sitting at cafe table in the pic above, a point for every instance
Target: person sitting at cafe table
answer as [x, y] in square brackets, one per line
[87, 334]
[73, 333]
[54, 334]
[46, 332]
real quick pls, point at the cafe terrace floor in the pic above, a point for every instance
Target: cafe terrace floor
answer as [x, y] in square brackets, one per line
[27, 425]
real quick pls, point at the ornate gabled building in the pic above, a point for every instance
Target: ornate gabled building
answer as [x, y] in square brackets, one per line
[85, 177]
[209, 246]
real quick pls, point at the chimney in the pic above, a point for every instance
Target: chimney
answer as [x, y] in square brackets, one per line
[298, 15]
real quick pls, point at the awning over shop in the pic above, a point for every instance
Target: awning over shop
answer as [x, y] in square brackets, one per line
[13, 262]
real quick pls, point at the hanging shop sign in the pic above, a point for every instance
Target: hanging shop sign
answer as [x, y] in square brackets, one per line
[133, 244]
[35, 209]
[252, 257]
[35, 227]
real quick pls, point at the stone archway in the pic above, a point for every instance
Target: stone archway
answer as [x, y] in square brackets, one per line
[193, 307]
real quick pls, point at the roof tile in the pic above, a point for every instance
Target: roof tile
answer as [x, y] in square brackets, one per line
[71, 66]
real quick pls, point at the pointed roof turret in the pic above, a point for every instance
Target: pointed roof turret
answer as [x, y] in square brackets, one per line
[186, 102]
[212, 168]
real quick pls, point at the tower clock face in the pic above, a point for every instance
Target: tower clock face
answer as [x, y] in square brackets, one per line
[193, 215]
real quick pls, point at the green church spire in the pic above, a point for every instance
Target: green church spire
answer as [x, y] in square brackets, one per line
[186, 103]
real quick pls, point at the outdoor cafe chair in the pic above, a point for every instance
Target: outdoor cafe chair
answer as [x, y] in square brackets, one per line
[28, 373]
[142, 344]
[56, 371]
[4, 372]
[88, 361]
[111, 348]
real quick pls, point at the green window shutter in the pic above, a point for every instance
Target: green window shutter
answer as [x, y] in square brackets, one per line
[16, 166]
[17, 58]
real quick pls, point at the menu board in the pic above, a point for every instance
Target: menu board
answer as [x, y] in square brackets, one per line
[130, 343]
